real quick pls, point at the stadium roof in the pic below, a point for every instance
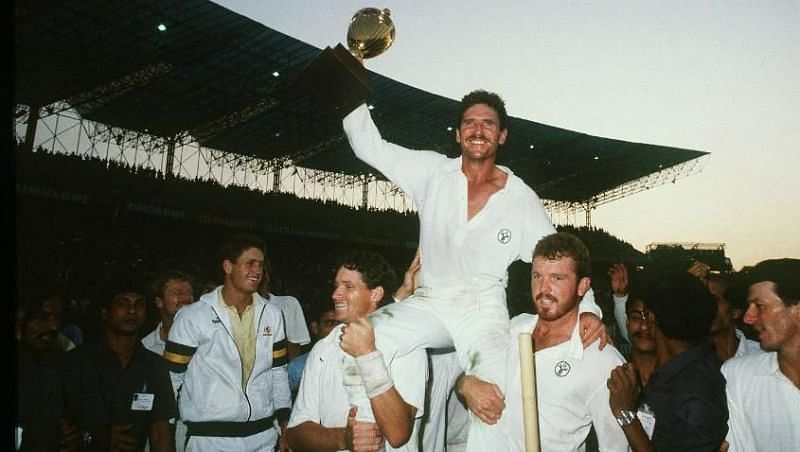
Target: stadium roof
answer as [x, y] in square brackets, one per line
[194, 67]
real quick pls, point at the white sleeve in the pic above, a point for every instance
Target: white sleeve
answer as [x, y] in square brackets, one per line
[182, 343]
[407, 169]
[296, 329]
[738, 438]
[620, 315]
[537, 225]
[610, 436]
[306, 406]
[281, 394]
[589, 305]
[409, 375]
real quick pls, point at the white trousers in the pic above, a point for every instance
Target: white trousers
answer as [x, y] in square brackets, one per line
[476, 323]
[446, 419]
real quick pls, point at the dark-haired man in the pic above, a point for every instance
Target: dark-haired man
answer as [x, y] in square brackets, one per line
[764, 388]
[322, 418]
[476, 218]
[572, 395]
[39, 387]
[227, 353]
[728, 340]
[321, 325]
[639, 326]
[686, 393]
[118, 393]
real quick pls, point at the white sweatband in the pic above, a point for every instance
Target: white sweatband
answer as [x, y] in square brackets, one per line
[374, 373]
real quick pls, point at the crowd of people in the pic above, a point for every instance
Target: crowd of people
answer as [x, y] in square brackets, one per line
[623, 358]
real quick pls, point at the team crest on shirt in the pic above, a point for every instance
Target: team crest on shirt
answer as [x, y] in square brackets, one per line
[267, 331]
[562, 369]
[504, 236]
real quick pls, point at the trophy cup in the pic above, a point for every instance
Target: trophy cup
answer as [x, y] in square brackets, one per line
[336, 79]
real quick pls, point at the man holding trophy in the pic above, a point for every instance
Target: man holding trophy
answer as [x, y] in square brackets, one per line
[476, 218]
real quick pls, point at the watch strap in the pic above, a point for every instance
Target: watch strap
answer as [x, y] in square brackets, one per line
[626, 417]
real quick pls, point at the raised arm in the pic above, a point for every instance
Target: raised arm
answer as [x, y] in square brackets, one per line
[618, 274]
[406, 168]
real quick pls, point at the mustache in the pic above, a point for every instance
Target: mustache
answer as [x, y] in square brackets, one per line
[546, 297]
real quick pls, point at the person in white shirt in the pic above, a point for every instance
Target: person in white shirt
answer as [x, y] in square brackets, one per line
[322, 418]
[476, 218]
[171, 290]
[572, 392]
[296, 328]
[763, 389]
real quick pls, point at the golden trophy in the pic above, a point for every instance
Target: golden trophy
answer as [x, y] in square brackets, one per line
[336, 78]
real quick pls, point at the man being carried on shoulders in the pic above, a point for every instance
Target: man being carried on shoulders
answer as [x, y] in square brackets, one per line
[476, 218]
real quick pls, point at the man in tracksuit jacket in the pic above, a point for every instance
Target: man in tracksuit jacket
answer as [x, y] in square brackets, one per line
[228, 356]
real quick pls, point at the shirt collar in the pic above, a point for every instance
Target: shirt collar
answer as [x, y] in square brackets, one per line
[572, 348]
[454, 165]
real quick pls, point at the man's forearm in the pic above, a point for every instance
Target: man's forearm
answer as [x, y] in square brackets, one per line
[637, 437]
[394, 416]
[620, 314]
[312, 436]
[161, 437]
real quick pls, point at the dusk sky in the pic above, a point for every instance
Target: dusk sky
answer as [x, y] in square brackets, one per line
[716, 76]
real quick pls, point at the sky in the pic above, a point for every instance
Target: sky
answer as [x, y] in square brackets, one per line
[715, 76]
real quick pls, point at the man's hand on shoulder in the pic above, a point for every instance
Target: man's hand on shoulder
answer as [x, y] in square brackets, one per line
[592, 329]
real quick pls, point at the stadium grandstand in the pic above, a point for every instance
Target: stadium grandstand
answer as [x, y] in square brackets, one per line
[147, 130]
[683, 254]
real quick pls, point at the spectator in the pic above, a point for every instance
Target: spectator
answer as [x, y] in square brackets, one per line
[39, 386]
[728, 340]
[171, 291]
[686, 392]
[296, 330]
[764, 388]
[118, 393]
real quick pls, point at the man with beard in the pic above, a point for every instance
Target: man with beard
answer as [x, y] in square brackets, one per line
[118, 393]
[572, 394]
[227, 354]
[763, 389]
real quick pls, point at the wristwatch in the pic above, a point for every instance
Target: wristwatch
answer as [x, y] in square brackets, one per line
[626, 417]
